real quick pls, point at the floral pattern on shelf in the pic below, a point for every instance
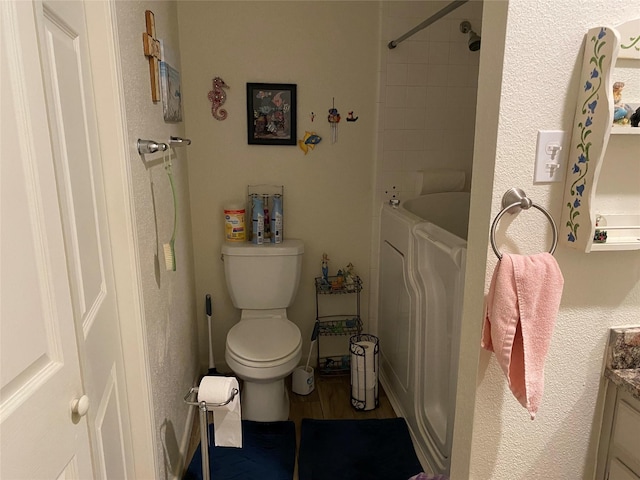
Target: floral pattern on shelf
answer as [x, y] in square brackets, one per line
[630, 39]
[592, 124]
[592, 86]
[633, 43]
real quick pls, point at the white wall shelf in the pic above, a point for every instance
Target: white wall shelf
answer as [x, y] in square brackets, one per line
[625, 131]
[623, 232]
[603, 178]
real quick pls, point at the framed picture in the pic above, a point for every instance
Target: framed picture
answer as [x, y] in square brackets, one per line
[170, 89]
[271, 114]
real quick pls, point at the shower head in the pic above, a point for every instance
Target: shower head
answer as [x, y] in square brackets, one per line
[474, 38]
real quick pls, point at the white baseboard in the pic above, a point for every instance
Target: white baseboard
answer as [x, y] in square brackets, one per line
[185, 440]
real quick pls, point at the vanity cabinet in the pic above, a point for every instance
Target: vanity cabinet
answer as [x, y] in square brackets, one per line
[619, 450]
[601, 206]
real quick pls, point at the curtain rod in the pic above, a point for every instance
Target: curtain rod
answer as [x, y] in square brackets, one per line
[449, 8]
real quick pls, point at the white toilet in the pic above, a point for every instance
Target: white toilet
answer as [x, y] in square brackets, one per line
[264, 346]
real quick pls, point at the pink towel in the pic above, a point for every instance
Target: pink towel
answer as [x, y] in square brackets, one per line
[522, 306]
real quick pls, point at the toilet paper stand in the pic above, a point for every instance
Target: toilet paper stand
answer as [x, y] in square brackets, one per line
[205, 407]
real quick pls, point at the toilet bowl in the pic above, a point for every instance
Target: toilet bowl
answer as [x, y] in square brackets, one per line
[262, 352]
[264, 347]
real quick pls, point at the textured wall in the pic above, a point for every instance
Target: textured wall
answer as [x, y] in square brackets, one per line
[169, 301]
[543, 53]
[329, 49]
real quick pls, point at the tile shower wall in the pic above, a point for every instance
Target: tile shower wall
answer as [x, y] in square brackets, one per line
[426, 102]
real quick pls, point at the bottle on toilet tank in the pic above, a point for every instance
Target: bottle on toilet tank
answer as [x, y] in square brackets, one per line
[257, 220]
[276, 219]
[267, 221]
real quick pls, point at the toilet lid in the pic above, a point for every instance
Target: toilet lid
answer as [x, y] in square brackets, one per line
[263, 339]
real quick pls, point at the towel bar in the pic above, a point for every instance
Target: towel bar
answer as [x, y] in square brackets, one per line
[151, 146]
[513, 201]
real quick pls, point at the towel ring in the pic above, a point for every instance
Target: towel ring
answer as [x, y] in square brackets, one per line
[513, 201]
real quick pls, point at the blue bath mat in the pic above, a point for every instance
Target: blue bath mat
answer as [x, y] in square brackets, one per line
[371, 449]
[268, 453]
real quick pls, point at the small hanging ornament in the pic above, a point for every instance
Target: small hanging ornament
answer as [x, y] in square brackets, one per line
[334, 119]
[351, 118]
[217, 97]
[309, 141]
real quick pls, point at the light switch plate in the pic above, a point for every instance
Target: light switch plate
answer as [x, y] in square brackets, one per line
[550, 157]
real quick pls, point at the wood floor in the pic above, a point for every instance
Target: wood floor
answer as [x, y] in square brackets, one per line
[331, 399]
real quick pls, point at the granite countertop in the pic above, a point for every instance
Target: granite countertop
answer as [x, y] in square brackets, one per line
[627, 378]
[623, 359]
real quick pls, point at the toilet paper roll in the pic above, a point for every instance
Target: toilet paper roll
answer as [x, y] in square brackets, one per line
[370, 398]
[442, 180]
[227, 420]
[364, 374]
[365, 368]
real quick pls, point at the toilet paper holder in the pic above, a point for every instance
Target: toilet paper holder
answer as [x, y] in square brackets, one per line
[193, 393]
[205, 407]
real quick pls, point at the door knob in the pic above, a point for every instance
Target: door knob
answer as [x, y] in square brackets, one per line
[80, 406]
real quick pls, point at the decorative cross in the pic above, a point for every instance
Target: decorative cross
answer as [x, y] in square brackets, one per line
[152, 51]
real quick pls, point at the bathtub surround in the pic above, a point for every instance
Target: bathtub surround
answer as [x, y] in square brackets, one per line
[427, 95]
[422, 265]
[426, 104]
[437, 180]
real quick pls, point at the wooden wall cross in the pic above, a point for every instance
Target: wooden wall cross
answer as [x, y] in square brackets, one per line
[152, 51]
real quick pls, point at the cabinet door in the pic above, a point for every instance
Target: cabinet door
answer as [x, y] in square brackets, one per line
[625, 441]
[619, 471]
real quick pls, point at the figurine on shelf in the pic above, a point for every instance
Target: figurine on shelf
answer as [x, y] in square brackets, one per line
[325, 270]
[621, 111]
[338, 283]
[349, 278]
[635, 118]
[600, 236]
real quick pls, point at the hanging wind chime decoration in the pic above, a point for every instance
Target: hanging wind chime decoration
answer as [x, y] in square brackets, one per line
[334, 119]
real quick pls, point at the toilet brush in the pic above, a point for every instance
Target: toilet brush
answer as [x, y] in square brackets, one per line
[302, 381]
[314, 336]
[212, 365]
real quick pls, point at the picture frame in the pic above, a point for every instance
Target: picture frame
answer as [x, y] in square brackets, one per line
[171, 93]
[271, 114]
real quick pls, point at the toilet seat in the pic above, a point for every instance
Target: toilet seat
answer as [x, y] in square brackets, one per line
[264, 342]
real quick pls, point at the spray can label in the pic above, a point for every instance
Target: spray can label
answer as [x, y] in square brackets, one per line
[276, 228]
[258, 229]
[257, 220]
[276, 219]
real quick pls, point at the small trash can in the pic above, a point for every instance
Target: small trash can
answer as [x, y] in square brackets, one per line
[302, 381]
[365, 350]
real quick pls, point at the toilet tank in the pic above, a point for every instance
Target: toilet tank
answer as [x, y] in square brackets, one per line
[261, 277]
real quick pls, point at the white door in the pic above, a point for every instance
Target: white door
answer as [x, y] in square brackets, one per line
[54, 222]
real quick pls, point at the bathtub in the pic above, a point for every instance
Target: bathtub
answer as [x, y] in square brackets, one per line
[422, 262]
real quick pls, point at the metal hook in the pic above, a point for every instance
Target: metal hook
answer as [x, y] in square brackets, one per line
[150, 146]
[178, 141]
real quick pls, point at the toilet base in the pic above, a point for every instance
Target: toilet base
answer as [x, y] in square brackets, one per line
[265, 402]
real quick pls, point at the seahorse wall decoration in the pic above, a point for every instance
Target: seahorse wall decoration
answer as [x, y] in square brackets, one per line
[217, 97]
